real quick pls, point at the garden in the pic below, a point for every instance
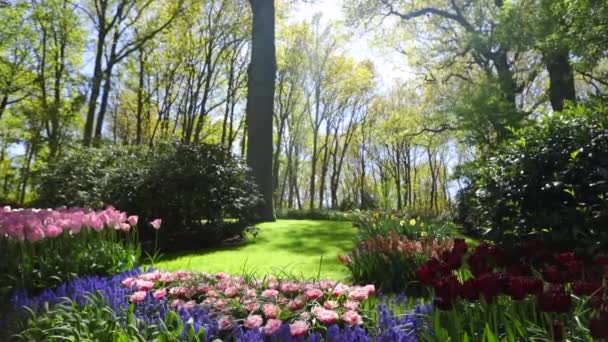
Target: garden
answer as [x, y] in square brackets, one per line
[287, 170]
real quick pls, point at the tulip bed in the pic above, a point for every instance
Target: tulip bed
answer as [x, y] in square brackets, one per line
[41, 248]
[187, 306]
[524, 293]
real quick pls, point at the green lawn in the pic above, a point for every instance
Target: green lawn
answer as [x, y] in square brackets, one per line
[293, 246]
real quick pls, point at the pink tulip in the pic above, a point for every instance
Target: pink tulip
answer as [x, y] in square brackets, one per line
[225, 323]
[160, 294]
[270, 293]
[128, 282]
[326, 316]
[53, 231]
[253, 322]
[272, 325]
[351, 305]
[331, 305]
[270, 310]
[133, 220]
[313, 293]
[298, 328]
[138, 296]
[144, 285]
[352, 318]
[156, 223]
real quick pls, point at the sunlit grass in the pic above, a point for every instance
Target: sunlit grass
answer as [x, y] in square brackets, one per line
[301, 248]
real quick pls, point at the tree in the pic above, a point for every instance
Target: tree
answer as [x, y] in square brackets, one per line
[260, 101]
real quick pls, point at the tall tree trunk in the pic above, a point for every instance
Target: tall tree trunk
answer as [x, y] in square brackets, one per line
[260, 101]
[95, 85]
[140, 99]
[561, 78]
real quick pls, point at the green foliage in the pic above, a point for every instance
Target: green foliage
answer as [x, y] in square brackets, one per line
[96, 321]
[49, 262]
[551, 180]
[198, 189]
[507, 320]
[384, 224]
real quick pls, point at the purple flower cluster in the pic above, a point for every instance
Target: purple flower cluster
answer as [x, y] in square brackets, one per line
[78, 290]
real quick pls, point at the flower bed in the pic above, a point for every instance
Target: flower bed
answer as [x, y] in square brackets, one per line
[40, 248]
[390, 261]
[186, 306]
[527, 292]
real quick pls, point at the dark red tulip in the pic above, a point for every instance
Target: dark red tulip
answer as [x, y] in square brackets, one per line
[489, 285]
[460, 246]
[454, 260]
[519, 270]
[534, 285]
[598, 328]
[443, 304]
[517, 288]
[565, 258]
[425, 275]
[447, 288]
[555, 299]
[601, 260]
[582, 288]
[469, 290]
[554, 275]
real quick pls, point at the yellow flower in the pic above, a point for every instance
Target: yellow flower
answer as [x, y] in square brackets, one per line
[402, 223]
[421, 224]
[423, 234]
[412, 222]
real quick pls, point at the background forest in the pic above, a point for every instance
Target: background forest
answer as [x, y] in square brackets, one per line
[132, 72]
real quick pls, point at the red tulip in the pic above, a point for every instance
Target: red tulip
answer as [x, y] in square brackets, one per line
[490, 285]
[565, 258]
[460, 246]
[425, 275]
[581, 288]
[469, 290]
[555, 299]
[601, 260]
[553, 275]
[447, 288]
[598, 328]
[443, 304]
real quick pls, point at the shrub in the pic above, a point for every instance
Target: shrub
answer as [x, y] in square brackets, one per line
[200, 190]
[40, 248]
[550, 180]
[199, 187]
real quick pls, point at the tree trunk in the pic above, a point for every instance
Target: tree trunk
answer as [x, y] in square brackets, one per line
[260, 100]
[140, 99]
[561, 77]
[95, 86]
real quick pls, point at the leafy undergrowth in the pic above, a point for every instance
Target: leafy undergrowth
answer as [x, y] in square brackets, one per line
[303, 248]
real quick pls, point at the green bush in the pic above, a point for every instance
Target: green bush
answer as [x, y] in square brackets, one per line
[201, 191]
[550, 180]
